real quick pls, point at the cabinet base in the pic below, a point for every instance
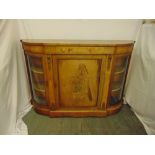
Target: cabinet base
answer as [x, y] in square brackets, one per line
[77, 112]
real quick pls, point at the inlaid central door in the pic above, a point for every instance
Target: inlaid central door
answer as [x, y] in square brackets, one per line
[77, 80]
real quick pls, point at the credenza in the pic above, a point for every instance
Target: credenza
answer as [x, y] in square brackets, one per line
[77, 77]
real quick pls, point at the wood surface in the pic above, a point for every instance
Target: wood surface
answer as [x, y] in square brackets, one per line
[79, 43]
[78, 75]
[78, 80]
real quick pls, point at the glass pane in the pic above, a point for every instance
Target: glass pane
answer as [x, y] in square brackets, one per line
[39, 97]
[37, 79]
[115, 97]
[118, 80]
[120, 64]
[35, 62]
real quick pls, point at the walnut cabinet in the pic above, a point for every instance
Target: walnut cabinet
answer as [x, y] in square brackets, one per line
[77, 78]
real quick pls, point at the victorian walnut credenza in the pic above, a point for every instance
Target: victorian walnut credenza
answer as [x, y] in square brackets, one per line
[77, 77]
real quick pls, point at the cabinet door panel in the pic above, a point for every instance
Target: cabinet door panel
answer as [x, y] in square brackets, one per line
[37, 79]
[118, 79]
[78, 81]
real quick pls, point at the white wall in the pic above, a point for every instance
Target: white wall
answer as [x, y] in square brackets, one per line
[121, 29]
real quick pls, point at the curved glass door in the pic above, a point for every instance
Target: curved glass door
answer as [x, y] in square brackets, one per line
[118, 79]
[35, 64]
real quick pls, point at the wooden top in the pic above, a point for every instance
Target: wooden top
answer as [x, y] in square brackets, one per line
[54, 42]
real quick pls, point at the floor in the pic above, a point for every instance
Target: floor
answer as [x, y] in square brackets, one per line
[122, 123]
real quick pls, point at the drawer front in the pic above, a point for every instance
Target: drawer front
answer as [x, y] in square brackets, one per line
[84, 50]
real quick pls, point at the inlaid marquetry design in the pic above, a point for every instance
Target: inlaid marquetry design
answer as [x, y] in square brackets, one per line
[80, 83]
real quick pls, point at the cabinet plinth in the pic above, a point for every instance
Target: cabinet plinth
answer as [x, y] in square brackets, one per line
[77, 78]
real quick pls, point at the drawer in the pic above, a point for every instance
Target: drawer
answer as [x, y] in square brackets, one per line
[84, 50]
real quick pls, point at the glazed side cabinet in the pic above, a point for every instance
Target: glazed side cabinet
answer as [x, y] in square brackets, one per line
[77, 78]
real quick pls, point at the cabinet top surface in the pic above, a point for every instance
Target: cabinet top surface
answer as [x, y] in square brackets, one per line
[57, 42]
